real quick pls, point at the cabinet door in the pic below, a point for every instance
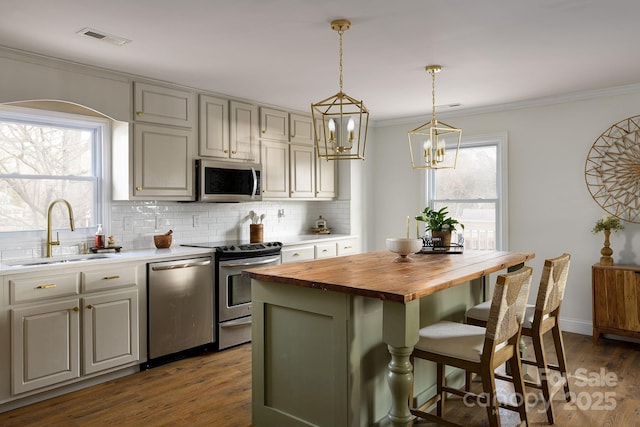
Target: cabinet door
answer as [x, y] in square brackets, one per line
[274, 124]
[325, 178]
[44, 345]
[161, 105]
[617, 299]
[214, 127]
[163, 165]
[275, 169]
[301, 131]
[110, 330]
[302, 171]
[244, 144]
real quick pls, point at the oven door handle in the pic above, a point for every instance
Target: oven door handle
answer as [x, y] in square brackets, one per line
[236, 323]
[231, 264]
[176, 266]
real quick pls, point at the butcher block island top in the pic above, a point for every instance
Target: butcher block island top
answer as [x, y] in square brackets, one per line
[376, 275]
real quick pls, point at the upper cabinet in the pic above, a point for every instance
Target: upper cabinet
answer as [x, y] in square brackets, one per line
[214, 127]
[290, 167]
[244, 142]
[162, 105]
[154, 161]
[228, 129]
[274, 124]
[300, 129]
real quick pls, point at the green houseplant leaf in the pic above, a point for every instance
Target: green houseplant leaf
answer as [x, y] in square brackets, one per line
[438, 220]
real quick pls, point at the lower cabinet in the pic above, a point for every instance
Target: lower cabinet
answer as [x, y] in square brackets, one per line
[319, 250]
[57, 338]
[109, 330]
[45, 340]
[616, 300]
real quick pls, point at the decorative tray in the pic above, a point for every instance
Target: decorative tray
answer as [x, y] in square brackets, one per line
[107, 249]
[320, 230]
[455, 248]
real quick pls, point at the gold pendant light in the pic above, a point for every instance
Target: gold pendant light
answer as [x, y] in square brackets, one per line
[340, 122]
[431, 143]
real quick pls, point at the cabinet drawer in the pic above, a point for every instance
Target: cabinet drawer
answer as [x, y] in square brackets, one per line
[119, 277]
[326, 250]
[37, 288]
[297, 254]
[346, 247]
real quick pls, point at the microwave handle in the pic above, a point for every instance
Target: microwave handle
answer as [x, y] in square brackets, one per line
[255, 182]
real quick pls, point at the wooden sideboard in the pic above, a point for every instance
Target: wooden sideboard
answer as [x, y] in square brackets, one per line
[616, 300]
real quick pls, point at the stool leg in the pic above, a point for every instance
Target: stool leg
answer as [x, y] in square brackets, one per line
[543, 372]
[518, 385]
[440, 381]
[489, 390]
[562, 362]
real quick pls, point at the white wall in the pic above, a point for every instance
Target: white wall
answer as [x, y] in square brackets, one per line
[550, 208]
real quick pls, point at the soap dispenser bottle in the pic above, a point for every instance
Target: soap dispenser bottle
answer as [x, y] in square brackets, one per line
[99, 239]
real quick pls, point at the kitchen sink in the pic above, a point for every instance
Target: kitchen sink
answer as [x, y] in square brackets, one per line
[53, 261]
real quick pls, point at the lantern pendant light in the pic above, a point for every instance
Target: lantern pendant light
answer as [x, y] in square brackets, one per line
[427, 144]
[340, 122]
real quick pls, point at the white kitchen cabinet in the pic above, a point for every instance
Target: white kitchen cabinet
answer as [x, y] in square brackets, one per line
[274, 124]
[213, 125]
[325, 178]
[297, 254]
[110, 330]
[163, 163]
[228, 129]
[163, 105]
[275, 169]
[244, 141]
[319, 250]
[45, 341]
[348, 246]
[69, 325]
[325, 250]
[302, 170]
[300, 129]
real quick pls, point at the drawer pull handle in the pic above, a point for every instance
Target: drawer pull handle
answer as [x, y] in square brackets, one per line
[296, 254]
[348, 247]
[110, 277]
[49, 286]
[89, 306]
[76, 309]
[325, 250]
[139, 113]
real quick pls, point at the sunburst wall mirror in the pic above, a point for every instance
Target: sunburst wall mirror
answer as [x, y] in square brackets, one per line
[612, 170]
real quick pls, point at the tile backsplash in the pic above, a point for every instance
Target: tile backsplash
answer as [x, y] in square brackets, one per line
[133, 224]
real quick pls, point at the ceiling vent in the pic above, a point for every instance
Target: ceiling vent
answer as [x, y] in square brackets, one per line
[105, 37]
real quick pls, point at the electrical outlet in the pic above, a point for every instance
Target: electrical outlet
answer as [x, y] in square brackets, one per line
[127, 223]
[196, 221]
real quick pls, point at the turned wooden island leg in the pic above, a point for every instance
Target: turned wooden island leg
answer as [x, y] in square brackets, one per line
[401, 323]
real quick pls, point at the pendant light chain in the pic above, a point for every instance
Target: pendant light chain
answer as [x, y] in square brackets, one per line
[433, 96]
[341, 32]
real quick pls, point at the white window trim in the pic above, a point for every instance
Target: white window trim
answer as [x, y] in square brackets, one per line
[501, 140]
[20, 239]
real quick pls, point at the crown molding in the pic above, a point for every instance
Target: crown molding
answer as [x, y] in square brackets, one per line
[529, 103]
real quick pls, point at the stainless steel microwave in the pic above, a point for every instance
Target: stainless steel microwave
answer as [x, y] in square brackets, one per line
[220, 181]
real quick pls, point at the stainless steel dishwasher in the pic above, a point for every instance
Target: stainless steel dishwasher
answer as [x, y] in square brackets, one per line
[180, 308]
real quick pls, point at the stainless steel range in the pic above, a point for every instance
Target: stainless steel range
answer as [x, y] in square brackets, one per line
[233, 291]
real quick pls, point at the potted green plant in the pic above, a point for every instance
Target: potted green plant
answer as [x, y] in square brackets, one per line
[439, 224]
[607, 223]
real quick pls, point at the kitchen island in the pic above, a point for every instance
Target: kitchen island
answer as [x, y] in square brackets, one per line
[320, 329]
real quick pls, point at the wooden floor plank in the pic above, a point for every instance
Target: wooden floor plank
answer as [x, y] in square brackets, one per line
[215, 390]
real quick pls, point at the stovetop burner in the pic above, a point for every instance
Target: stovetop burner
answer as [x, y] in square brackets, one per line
[239, 249]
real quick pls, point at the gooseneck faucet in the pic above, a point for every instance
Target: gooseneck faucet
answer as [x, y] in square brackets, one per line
[50, 242]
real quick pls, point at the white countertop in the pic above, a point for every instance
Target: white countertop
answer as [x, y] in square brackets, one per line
[30, 265]
[22, 266]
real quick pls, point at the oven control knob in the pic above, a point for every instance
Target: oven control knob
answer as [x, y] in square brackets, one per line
[231, 248]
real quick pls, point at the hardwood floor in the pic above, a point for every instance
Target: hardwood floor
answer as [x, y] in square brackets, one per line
[215, 390]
